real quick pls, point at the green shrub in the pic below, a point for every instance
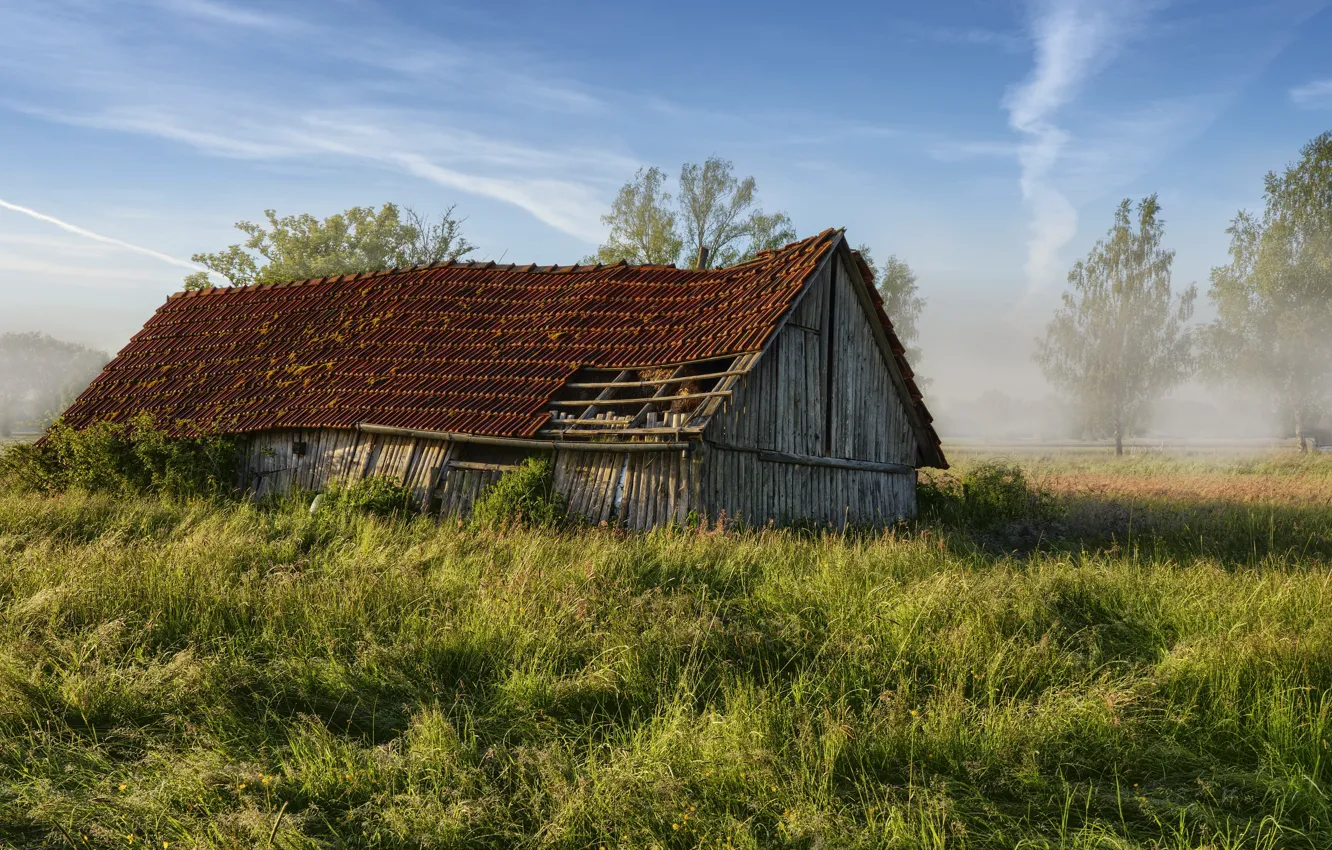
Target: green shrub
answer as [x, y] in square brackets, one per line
[134, 457]
[525, 496]
[376, 495]
[986, 496]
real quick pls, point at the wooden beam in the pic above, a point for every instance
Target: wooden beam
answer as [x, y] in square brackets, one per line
[835, 462]
[681, 379]
[604, 394]
[484, 467]
[642, 413]
[810, 460]
[638, 367]
[739, 368]
[617, 432]
[639, 399]
[518, 442]
[607, 424]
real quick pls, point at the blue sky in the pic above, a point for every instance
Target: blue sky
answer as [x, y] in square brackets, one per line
[984, 142]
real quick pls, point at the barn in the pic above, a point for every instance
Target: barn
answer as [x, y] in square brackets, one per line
[774, 390]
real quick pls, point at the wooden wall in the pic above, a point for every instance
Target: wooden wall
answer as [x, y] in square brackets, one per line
[636, 489]
[270, 464]
[752, 491]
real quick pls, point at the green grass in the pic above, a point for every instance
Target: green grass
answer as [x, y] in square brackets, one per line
[212, 674]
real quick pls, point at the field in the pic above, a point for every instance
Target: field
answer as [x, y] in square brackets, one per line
[1144, 662]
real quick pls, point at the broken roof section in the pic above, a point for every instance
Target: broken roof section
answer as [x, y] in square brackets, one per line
[472, 348]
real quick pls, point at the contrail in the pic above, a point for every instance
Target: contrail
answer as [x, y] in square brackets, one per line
[97, 237]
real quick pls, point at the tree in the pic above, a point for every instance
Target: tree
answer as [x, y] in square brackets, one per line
[1118, 342]
[40, 376]
[1273, 331]
[768, 232]
[714, 210]
[361, 239]
[902, 302]
[642, 223]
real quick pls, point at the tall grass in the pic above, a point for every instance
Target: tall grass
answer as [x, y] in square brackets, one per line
[209, 675]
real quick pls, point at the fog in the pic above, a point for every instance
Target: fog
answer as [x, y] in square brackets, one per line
[39, 377]
[983, 384]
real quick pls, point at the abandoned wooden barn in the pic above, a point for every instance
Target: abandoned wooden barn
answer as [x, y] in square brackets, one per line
[774, 390]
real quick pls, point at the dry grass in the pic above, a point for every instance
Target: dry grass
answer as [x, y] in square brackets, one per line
[1284, 478]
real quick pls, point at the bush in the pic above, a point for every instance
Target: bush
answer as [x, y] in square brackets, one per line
[525, 496]
[134, 457]
[988, 495]
[376, 495]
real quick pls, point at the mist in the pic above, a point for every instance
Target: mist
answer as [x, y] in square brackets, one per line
[39, 377]
[982, 382]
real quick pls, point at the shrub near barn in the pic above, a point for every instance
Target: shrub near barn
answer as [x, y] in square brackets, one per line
[134, 457]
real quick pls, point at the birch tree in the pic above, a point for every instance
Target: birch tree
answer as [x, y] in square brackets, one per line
[1273, 331]
[713, 209]
[642, 223]
[1118, 342]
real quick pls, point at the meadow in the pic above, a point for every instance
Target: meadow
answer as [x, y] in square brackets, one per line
[1139, 655]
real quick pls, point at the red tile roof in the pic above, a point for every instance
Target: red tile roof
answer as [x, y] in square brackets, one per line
[464, 347]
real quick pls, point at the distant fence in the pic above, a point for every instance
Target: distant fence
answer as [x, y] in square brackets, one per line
[1178, 444]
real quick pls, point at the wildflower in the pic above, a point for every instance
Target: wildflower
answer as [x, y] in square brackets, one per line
[122, 786]
[675, 826]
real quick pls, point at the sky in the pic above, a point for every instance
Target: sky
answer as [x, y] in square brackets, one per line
[985, 143]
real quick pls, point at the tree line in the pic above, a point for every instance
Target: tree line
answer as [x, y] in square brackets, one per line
[1121, 339]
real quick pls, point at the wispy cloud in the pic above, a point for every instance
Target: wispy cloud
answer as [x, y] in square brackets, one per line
[392, 140]
[1073, 39]
[215, 12]
[405, 111]
[1011, 42]
[1316, 94]
[958, 150]
[97, 237]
